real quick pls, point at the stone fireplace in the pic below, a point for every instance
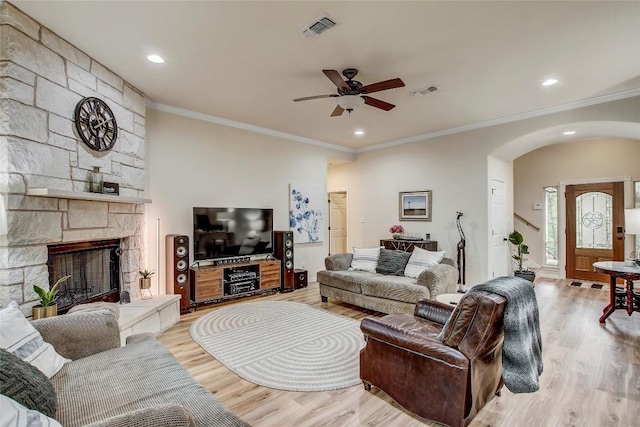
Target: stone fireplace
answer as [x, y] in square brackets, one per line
[44, 165]
[39, 226]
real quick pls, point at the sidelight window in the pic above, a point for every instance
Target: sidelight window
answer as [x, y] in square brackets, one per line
[551, 225]
[637, 198]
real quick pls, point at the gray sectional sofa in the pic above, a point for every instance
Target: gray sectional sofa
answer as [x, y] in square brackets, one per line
[140, 384]
[384, 293]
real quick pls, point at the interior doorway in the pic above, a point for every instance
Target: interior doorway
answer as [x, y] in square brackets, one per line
[501, 258]
[595, 227]
[337, 222]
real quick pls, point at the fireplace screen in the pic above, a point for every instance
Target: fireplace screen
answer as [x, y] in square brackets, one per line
[94, 268]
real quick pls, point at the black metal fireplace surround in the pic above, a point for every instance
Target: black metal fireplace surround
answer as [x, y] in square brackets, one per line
[94, 268]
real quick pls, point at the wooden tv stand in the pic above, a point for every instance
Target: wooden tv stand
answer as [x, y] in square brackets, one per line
[214, 283]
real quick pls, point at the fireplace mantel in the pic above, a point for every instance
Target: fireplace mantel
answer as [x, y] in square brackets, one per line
[79, 195]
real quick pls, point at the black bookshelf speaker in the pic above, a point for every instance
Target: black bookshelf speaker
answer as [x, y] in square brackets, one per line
[301, 278]
[177, 249]
[283, 250]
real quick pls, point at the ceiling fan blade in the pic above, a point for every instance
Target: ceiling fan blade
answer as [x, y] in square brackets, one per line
[377, 103]
[334, 76]
[338, 111]
[306, 98]
[377, 87]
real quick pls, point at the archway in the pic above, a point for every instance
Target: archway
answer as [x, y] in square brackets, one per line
[554, 135]
[505, 155]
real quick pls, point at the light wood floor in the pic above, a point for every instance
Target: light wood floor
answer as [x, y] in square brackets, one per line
[591, 372]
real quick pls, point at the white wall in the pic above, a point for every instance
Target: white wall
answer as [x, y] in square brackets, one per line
[444, 166]
[455, 168]
[197, 163]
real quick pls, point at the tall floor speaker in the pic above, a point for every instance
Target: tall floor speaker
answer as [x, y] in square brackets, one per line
[283, 250]
[177, 249]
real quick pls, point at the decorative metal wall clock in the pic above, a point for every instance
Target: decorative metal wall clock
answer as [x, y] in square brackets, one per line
[96, 124]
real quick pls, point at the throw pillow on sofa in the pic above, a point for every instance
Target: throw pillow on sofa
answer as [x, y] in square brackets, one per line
[16, 415]
[365, 259]
[422, 260]
[392, 262]
[26, 385]
[21, 339]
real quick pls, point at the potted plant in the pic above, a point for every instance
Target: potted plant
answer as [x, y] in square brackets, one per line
[517, 240]
[145, 283]
[47, 306]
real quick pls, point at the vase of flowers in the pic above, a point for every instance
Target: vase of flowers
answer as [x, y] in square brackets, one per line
[396, 231]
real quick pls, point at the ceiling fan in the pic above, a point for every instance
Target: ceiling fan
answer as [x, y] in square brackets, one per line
[351, 93]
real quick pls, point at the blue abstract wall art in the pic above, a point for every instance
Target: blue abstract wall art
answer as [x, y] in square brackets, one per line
[305, 212]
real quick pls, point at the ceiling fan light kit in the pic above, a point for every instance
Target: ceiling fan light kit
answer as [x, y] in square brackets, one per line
[351, 93]
[350, 102]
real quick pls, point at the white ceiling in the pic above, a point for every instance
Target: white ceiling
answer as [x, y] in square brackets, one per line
[246, 61]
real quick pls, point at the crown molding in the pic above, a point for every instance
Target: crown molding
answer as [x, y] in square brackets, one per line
[244, 126]
[507, 119]
[502, 120]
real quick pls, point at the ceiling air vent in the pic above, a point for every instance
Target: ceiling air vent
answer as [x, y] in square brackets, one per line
[319, 26]
[425, 90]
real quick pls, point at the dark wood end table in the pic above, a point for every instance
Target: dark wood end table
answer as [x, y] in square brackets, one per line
[624, 298]
[408, 245]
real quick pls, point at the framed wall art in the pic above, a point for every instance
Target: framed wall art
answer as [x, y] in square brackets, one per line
[415, 205]
[305, 212]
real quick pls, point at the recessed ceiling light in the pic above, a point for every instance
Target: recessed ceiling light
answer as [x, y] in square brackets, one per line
[569, 132]
[156, 59]
[549, 82]
[359, 132]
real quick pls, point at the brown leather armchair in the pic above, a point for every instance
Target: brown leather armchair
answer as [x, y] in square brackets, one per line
[447, 381]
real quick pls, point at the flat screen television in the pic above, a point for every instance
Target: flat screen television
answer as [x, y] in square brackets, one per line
[231, 232]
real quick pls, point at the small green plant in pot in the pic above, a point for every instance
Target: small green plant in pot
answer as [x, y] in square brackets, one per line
[145, 283]
[517, 240]
[47, 306]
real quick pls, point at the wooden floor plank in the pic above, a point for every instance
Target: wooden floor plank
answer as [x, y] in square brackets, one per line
[591, 372]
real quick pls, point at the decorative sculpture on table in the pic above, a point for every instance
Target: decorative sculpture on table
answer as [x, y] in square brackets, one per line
[125, 298]
[462, 263]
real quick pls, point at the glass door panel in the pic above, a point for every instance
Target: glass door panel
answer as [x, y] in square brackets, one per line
[594, 213]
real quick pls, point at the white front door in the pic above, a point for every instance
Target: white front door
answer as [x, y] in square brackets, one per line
[499, 250]
[337, 223]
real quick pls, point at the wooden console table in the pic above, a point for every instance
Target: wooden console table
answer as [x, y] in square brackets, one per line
[210, 283]
[624, 298]
[408, 245]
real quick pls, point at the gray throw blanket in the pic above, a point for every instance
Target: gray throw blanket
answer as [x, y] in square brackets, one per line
[522, 349]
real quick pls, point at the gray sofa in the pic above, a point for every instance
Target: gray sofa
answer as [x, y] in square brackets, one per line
[384, 293]
[140, 384]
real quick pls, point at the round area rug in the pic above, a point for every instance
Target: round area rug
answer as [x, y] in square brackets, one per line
[283, 345]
